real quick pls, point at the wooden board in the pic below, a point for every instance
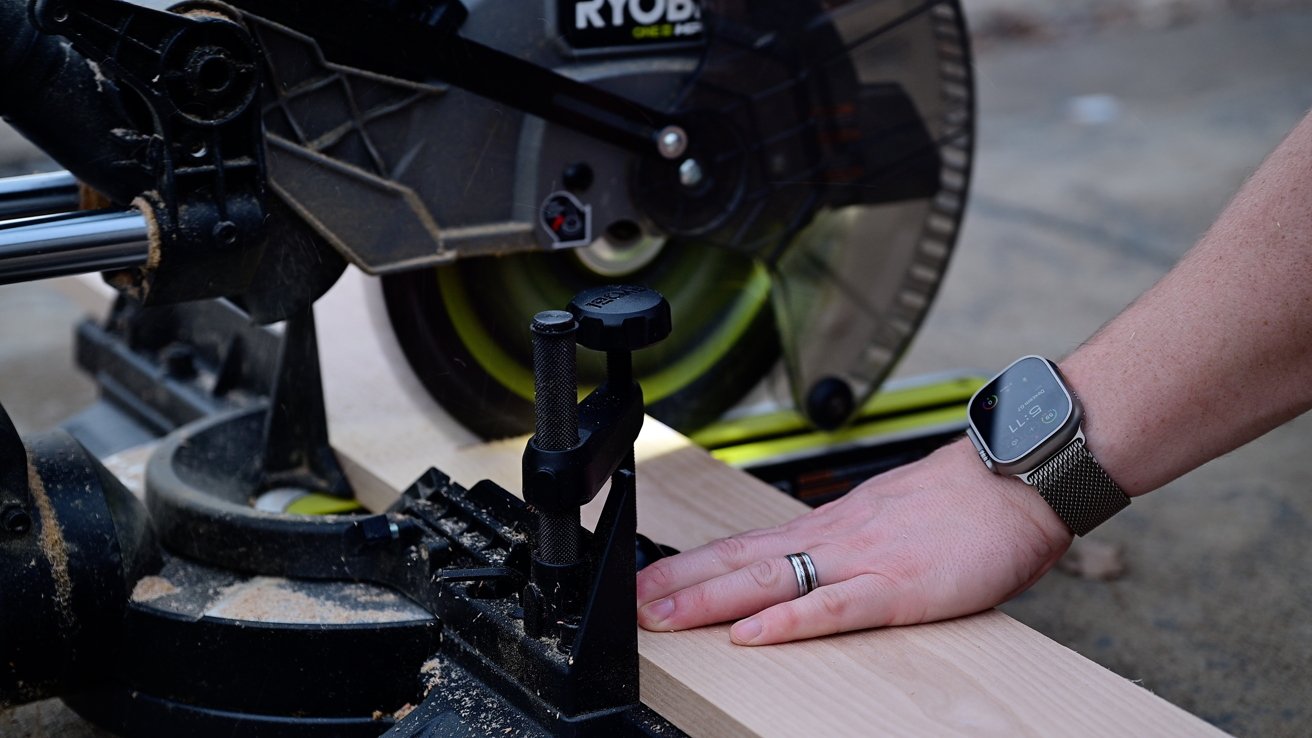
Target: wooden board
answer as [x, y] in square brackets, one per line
[978, 676]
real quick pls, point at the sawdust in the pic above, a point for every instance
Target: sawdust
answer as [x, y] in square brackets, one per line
[52, 544]
[129, 467]
[89, 198]
[152, 588]
[98, 75]
[276, 600]
[398, 716]
[431, 672]
[152, 232]
[406, 709]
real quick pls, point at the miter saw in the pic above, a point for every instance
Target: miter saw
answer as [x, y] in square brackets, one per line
[790, 173]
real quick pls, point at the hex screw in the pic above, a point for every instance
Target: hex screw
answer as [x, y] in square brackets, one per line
[225, 233]
[690, 173]
[16, 520]
[671, 142]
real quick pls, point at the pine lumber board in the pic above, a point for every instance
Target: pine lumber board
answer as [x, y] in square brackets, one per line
[984, 675]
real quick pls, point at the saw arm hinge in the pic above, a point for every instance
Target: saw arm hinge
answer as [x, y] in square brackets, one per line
[197, 74]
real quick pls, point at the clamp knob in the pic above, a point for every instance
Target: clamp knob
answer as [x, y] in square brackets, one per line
[620, 317]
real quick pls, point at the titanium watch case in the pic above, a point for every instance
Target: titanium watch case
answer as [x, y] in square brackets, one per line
[1061, 436]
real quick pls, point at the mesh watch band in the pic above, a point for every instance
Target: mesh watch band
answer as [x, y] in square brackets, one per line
[1078, 489]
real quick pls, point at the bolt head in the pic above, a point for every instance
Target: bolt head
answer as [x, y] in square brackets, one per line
[225, 233]
[16, 520]
[690, 173]
[671, 142]
[830, 402]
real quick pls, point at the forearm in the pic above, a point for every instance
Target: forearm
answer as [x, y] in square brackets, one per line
[1220, 351]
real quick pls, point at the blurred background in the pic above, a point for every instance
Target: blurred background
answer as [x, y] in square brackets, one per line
[1111, 133]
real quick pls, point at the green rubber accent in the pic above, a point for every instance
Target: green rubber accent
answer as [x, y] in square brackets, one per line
[666, 382]
[508, 372]
[748, 454]
[884, 403]
[314, 503]
[656, 387]
[939, 393]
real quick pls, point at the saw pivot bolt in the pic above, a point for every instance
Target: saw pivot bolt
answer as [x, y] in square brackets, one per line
[671, 142]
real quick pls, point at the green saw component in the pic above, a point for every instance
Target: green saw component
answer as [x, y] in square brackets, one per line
[303, 502]
[904, 422]
[775, 449]
[895, 399]
[473, 353]
[320, 504]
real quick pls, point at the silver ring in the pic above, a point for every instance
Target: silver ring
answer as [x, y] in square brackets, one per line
[804, 570]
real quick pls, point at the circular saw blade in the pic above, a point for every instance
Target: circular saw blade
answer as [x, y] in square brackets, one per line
[852, 137]
[833, 142]
[464, 328]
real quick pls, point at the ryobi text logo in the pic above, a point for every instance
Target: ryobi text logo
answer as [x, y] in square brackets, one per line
[645, 20]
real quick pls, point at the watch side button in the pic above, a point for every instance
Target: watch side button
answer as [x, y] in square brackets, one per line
[979, 448]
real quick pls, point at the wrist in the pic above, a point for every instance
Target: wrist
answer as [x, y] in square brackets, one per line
[1110, 432]
[961, 462]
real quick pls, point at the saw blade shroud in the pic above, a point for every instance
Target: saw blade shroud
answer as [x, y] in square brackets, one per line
[811, 217]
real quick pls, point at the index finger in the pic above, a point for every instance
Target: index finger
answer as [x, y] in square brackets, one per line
[714, 559]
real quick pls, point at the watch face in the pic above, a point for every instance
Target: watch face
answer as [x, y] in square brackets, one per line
[1021, 408]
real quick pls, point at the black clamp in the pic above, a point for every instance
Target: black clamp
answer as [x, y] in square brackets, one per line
[576, 449]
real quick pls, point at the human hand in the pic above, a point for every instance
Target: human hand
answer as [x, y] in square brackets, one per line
[936, 539]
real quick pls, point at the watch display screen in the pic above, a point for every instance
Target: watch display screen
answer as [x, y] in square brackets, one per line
[1020, 409]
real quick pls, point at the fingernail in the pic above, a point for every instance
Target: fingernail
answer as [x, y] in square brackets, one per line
[657, 612]
[746, 631]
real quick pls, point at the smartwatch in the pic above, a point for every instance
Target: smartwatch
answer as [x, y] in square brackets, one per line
[1026, 423]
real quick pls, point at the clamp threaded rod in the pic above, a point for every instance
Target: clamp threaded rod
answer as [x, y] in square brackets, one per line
[556, 421]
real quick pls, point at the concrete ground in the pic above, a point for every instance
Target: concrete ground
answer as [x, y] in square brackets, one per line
[1010, 20]
[1101, 159]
